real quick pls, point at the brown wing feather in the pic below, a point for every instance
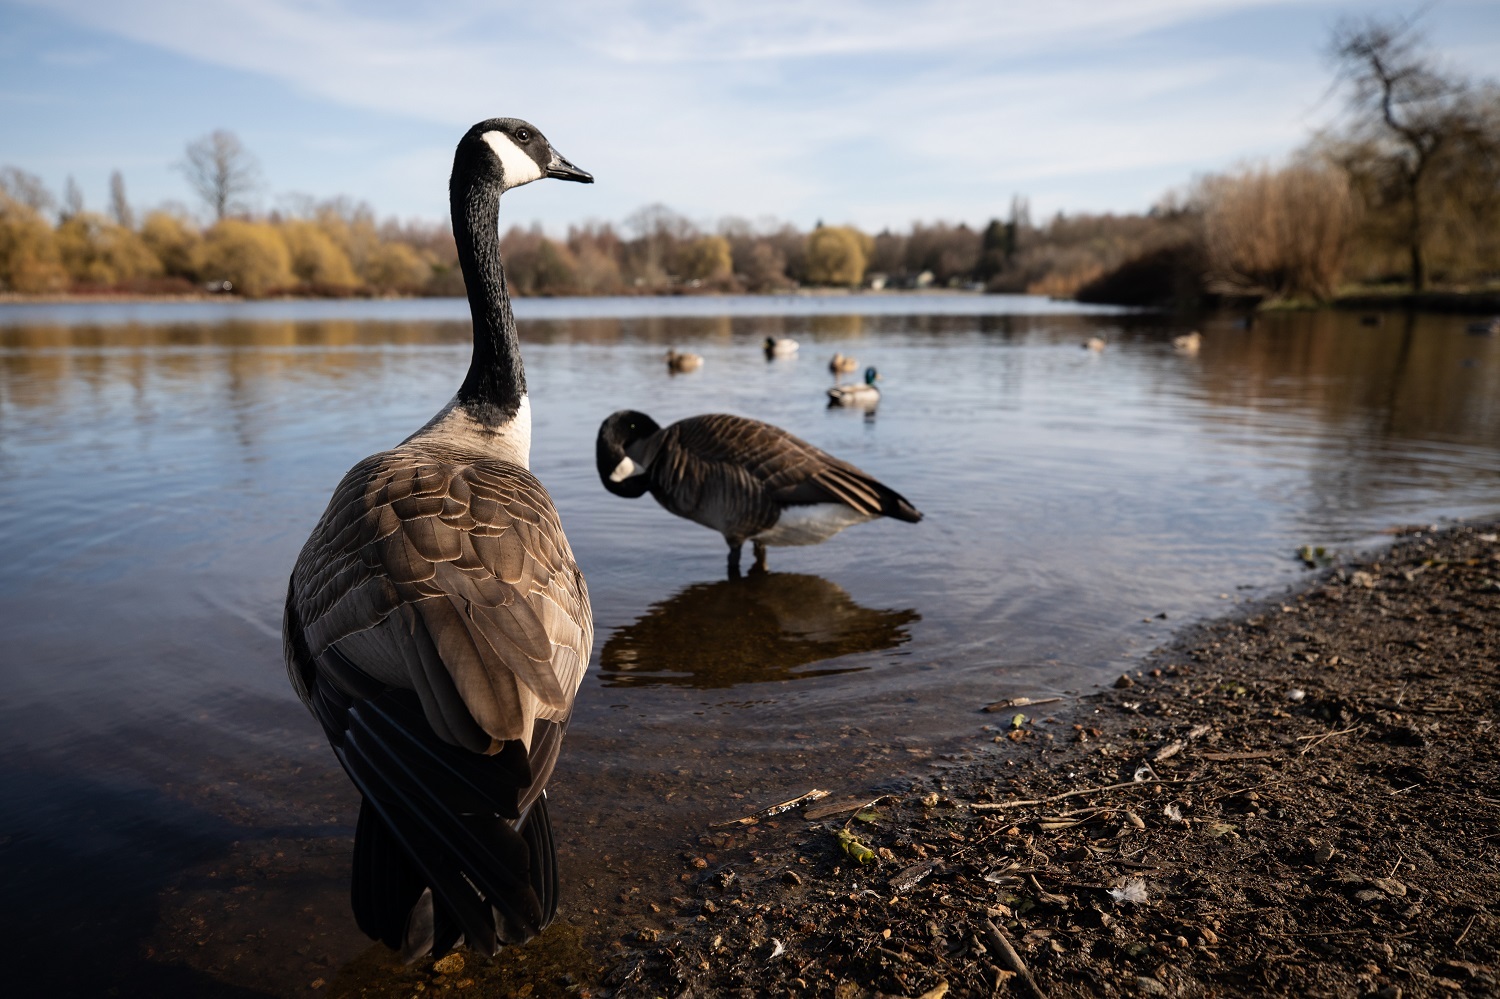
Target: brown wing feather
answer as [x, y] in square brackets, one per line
[421, 566]
[786, 468]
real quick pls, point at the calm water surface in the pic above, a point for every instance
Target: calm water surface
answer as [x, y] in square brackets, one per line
[166, 799]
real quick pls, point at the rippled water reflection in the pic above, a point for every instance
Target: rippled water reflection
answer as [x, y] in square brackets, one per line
[763, 628]
[164, 793]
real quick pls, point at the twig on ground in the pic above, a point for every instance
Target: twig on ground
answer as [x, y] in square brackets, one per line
[1000, 941]
[1318, 740]
[776, 809]
[1000, 806]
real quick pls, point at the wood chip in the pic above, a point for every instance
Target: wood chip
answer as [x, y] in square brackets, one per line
[1170, 750]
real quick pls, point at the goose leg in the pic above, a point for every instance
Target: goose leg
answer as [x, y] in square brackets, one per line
[760, 557]
[735, 546]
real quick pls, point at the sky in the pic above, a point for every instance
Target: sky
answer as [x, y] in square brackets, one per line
[861, 112]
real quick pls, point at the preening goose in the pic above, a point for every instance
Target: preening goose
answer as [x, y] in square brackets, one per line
[746, 479]
[780, 346]
[862, 394]
[681, 363]
[438, 626]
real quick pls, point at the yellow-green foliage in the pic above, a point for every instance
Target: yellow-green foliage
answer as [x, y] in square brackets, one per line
[174, 241]
[250, 255]
[707, 258]
[352, 227]
[396, 267]
[836, 255]
[96, 251]
[29, 261]
[316, 258]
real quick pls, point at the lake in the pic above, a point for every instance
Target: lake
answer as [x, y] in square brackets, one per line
[171, 807]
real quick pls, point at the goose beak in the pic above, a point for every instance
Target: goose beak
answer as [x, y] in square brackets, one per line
[561, 169]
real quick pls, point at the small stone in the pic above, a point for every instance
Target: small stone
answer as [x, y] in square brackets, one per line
[1362, 579]
[930, 800]
[1390, 886]
[1208, 935]
[449, 964]
[1150, 987]
[792, 878]
[1123, 683]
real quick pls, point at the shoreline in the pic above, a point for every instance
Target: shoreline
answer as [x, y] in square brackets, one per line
[1301, 795]
[1297, 798]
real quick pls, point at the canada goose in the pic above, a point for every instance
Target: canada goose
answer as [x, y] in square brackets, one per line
[1188, 343]
[746, 479]
[1096, 344]
[683, 363]
[842, 364]
[438, 627]
[863, 393]
[780, 346]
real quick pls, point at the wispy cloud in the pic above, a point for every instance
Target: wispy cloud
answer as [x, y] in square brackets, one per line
[783, 107]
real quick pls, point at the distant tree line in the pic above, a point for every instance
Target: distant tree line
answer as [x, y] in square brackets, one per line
[1404, 191]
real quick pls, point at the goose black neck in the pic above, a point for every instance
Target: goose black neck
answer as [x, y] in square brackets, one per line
[496, 381]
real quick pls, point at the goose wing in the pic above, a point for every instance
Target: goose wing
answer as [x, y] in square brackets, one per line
[453, 580]
[786, 469]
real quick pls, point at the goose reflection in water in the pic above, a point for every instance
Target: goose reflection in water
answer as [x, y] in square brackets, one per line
[765, 627]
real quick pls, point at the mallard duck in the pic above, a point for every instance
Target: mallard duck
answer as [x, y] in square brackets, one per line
[862, 394]
[780, 346]
[682, 363]
[746, 479]
[438, 626]
[842, 364]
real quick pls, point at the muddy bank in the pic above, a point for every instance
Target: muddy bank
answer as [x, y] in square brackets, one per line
[1303, 800]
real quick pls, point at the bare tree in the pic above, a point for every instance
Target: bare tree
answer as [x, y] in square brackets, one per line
[72, 200]
[27, 189]
[221, 171]
[1407, 111]
[119, 205]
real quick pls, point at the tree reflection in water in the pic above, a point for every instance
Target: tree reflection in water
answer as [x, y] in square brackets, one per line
[764, 627]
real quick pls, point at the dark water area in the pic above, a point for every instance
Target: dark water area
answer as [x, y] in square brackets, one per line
[167, 806]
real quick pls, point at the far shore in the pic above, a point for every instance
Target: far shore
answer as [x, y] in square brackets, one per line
[1478, 303]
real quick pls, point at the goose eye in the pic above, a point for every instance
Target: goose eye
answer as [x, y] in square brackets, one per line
[523, 134]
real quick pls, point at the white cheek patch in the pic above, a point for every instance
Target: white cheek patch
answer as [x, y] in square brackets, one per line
[626, 469]
[517, 164]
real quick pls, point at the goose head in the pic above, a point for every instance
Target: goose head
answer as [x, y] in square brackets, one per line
[617, 453]
[502, 153]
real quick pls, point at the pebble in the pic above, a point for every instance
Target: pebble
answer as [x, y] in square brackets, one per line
[449, 964]
[1124, 681]
[1150, 987]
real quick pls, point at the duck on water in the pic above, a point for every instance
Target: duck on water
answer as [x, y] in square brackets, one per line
[748, 480]
[438, 626]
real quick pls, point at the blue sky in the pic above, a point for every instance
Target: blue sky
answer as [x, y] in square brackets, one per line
[871, 113]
